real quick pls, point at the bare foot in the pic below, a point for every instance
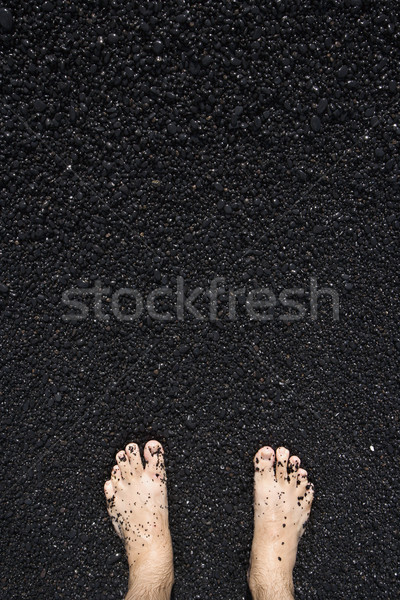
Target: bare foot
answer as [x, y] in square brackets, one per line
[282, 505]
[137, 504]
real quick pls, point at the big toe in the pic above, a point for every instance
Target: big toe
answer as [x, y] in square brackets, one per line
[154, 457]
[264, 462]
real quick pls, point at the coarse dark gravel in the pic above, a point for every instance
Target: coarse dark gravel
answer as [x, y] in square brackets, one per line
[147, 141]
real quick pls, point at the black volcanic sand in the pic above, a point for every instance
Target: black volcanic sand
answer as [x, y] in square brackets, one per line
[143, 142]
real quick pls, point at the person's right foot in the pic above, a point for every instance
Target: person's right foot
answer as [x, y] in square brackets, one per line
[282, 505]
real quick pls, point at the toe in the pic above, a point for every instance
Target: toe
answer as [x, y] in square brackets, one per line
[116, 476]
[292, 469]
[305, 493]
[264, 461]
[302, 477]
[309, 495]
[282, 456]
[123, 463]
[133, 453]
[109, 489]
[154, 457]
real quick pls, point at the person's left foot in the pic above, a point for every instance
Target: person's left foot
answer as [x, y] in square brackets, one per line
[138, 507]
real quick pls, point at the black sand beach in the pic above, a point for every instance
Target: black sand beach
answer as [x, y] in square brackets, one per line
[162, 145]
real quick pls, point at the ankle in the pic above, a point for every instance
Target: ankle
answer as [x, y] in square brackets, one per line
[270, 585]
[271, 592]
[142, 591]
[147, 582]
[149, 585]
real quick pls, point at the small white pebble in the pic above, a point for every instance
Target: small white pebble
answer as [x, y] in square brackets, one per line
[372, 448]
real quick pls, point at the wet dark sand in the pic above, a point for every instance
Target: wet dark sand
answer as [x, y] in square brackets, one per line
[140, 145]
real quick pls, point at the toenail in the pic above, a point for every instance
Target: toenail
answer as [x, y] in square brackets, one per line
[267, 453]
[122, 456]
